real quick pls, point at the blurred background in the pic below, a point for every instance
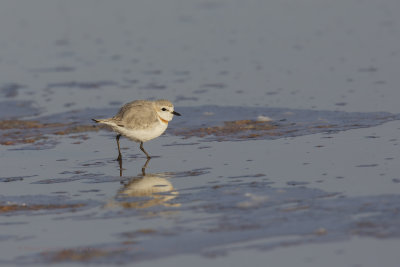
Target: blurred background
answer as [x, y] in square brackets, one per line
[311, 54]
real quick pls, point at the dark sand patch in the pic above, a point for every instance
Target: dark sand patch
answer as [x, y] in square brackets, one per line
[211, 123]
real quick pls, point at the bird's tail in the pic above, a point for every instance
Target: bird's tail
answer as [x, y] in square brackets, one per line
[109, 122]
[100, 120]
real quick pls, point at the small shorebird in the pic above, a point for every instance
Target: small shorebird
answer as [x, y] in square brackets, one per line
[141, 121]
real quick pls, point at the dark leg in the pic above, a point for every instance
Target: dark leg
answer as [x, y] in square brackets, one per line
[120, 167]
[119, 151]
[141, 148]
[144, 167]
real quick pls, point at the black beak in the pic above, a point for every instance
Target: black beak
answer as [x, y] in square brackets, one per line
[176, 113]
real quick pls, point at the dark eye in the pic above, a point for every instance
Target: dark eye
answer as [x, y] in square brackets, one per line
[163, 109]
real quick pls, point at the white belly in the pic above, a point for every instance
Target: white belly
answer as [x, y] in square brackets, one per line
[142, 135]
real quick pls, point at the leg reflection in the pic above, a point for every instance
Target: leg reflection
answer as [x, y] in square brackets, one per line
[143, 167]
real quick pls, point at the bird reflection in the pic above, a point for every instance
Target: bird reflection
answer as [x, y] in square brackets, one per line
[145, 190]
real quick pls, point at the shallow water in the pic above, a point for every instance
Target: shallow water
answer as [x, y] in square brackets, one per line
[287, 150]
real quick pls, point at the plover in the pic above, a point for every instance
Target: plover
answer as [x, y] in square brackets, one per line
[141, 121]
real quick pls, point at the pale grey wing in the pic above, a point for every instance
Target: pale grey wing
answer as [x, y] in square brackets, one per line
[137, 114]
